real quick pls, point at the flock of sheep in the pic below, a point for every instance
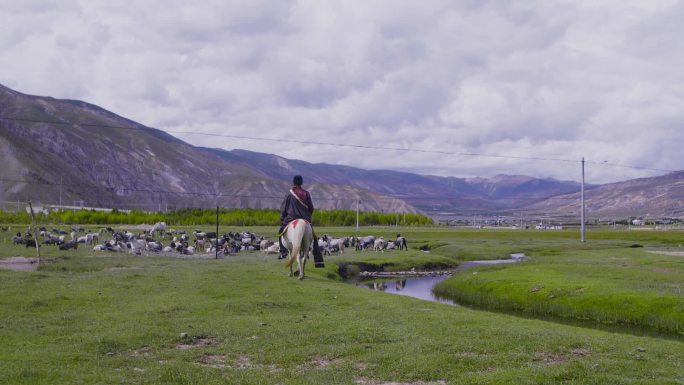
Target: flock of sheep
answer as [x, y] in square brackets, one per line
[158, 239]
[329, 245]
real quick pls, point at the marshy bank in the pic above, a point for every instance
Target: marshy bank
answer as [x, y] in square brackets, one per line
[618, 290]
[538, 301]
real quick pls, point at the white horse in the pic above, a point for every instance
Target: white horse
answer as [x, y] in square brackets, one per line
[298, 238]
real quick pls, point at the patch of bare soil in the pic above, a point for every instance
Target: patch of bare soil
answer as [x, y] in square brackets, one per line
[319, 362]
[143, 351]
[197, 342]
[117, 268]
[671, 253]
[217, 362]
[580, 352]
[19, 263]
[238, 362]
[143, 226]
[547, 358]
[367, 381]
[242, 362]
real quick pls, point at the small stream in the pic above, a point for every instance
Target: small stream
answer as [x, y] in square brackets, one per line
[421, 287]
[416, 287]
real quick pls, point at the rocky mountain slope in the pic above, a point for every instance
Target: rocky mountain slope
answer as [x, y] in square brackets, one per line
[74, 153]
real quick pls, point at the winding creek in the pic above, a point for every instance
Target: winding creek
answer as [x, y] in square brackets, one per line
[416, 287]
[421, 287]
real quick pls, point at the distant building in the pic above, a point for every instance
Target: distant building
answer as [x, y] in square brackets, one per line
[543, 226]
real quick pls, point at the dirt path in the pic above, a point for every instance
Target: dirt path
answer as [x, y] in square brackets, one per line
[19, 264]
[670, 253]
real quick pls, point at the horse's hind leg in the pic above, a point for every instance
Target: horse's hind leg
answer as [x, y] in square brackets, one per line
[301, 262]
[291, 272]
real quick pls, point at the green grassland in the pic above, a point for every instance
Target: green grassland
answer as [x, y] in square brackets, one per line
[89, 317]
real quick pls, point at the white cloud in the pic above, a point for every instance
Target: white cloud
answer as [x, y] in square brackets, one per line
[535, 79]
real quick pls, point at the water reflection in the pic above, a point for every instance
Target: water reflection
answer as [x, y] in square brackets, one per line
[416, 287]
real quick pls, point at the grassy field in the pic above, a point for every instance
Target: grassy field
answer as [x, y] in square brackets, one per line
[98, 318]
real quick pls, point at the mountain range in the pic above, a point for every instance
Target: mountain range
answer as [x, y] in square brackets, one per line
[70, 152]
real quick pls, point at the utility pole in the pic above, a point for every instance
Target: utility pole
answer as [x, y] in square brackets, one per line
[358, 201]
[582, 211]
[33, 230]
[217, 231]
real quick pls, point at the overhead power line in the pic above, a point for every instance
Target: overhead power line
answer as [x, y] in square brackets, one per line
[562, 196]
[348, 145]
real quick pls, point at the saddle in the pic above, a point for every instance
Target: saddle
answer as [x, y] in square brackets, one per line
[294, 223]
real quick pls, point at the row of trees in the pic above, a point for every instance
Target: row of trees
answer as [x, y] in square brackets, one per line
[227, 217]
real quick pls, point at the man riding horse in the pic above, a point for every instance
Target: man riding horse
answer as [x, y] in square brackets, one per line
[298, 205]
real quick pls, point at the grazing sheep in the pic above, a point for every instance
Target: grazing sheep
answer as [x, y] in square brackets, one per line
[323, 245]
[401, 242]
[17, 239]
[159, 227]
[69, 245]
[264, 245]
[137, 246]
[365, 242]
[91, 238]
[336, 244]
[154, 246]
[273, 249]
[379, 244]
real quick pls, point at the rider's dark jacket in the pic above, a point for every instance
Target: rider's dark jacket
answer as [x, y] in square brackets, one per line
[297, 205]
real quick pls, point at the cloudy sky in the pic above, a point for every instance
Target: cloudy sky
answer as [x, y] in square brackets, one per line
[470, 88]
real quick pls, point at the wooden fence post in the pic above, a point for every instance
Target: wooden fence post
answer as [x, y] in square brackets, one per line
[33, 229]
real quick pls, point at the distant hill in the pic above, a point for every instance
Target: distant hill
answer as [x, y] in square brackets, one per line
[429, 193]
[87, 155]
[655, 197]
[96, 158]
